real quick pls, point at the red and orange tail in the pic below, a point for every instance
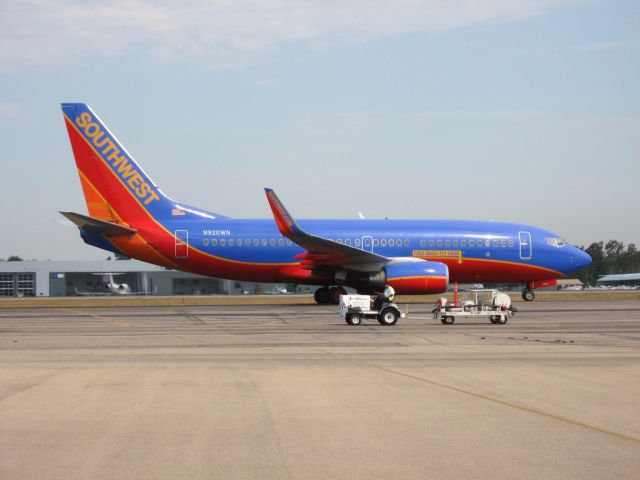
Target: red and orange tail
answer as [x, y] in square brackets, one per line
[115, 187]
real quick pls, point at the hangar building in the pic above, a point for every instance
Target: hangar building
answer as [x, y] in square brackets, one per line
[65, 278]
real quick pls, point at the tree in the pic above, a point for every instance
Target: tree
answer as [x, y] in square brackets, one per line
[14, 258]
[609, 258]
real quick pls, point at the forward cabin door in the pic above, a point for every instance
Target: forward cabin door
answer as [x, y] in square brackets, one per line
[525, 245]
[182, 243]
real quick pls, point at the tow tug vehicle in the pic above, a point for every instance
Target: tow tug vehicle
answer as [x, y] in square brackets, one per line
[355, 308]
[489, 304]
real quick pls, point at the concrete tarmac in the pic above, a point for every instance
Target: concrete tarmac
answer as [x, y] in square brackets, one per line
[291, 391]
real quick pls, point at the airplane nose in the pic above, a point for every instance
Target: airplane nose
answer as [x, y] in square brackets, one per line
[579, 259]
[583, 259]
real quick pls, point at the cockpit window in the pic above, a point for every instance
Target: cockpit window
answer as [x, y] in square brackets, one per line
[556, 242]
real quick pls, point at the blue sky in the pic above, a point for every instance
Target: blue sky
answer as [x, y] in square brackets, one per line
[514, 111]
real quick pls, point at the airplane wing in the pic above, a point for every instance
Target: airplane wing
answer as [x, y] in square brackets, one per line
[98, 226]
[92, 294]
[321, 252]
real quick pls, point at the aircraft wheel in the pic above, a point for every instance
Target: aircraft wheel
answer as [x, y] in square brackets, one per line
[334, 295]
[448, 320]
[502, 319]
[322, 296]
[388, 316]
[354, 319]
[494, 319]
[528, 295]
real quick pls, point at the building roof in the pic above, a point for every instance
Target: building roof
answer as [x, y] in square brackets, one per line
[70, 266]
[620, 277]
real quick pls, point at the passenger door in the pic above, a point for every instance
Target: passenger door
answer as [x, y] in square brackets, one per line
[182, 243]
[525, 245]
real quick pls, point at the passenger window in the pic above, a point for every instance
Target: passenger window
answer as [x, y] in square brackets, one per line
[511, 243]
[256, 242]
[439, 243]
[264, 242]
[357, 242]
[214, 242]
[463, 243]
[406, 243]
[487, 243]
[392, 243]
[272, 242]
[339, 240]
[239, 242]
[431, 243]
[375, 242]
[247, 242]
[447, 243]
[223, 242]
[503, 243]
[423, 243]
[231, 242]
[455, 243]
[280, 242]
[347, 242]
[289, 243]
[383, 243]
[205, 242]
[495, 244]
[472, 243]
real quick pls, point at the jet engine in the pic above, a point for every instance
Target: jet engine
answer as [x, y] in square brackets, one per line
[410, 277]
[418, 277]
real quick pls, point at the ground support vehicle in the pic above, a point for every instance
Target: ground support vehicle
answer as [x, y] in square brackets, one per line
[355, 308]
[491, 305]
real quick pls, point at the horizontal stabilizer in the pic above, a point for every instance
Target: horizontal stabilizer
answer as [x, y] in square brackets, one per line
[98, 226]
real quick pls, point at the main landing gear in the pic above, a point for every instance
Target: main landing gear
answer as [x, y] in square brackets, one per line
[528, 295]
[328, 296]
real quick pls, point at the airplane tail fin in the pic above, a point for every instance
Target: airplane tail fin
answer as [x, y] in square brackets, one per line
[115, 187]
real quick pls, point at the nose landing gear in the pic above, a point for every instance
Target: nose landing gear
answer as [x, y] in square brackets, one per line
[528, 295]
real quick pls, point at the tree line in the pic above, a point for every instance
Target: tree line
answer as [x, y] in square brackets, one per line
[609, 258]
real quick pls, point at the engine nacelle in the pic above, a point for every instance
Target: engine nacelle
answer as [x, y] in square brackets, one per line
[416, 278]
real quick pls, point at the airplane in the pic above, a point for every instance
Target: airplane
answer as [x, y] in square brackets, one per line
[129, 215]
[112, 287]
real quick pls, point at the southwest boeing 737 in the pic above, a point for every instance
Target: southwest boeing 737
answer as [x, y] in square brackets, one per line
[130, 215]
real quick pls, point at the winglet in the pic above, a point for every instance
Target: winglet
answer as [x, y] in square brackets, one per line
[285, 222]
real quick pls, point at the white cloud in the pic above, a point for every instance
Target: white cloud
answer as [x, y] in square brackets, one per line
[39, 33]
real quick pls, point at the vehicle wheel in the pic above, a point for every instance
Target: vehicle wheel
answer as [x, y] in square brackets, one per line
[354, 319]
[334, 295]
[528, 295]
[322, 296]
[388, 316]
[448, 320]
[502, 319]
[494, 319]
